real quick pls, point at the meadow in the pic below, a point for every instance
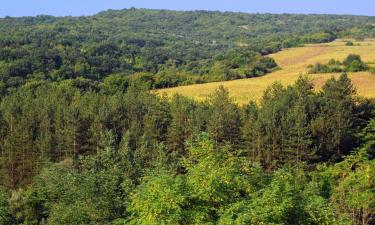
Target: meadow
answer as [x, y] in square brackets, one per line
[292, 62]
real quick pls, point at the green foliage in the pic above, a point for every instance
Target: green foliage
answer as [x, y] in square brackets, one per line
[352, 63]
[350, 186]
[368, 138]
[275, 203]
[224, 123]
[5, 216]
[216, 178]
[287, 198]
[94, 195]
[354, 194]
[160, 199]
[339, 112]
[349, 43]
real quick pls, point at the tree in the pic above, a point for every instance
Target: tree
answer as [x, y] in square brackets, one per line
[181, 127]
[216, 178]
[5, 216]
[224, 123]
[251, 136]
[353, 63]
[368, 138]
[286, 197]
[160, 199]
[270, 131]
[337, 111]
[297, 143]
[350, 184]
[94, 194]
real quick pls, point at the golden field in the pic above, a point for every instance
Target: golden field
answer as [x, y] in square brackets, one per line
[292, 63]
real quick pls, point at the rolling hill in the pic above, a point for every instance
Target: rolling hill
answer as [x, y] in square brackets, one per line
[292, 62]
[162, 48]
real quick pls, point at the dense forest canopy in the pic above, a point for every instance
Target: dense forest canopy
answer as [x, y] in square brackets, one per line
[84, 141]
[164, 48]
[76, 154]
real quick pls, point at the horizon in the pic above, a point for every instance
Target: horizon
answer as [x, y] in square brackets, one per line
[192, 10]
[74, 8]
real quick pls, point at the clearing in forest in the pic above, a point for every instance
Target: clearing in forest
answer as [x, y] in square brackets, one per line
[292, 63]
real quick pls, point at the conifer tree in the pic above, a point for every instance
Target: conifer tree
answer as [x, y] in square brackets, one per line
[336, 113]
[225, 122]
[181, 127]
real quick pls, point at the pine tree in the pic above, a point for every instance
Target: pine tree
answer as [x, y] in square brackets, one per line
[181, 127]
[297, 144]
[271, 131]
[225, 122]
[337, 113]
[251, 136]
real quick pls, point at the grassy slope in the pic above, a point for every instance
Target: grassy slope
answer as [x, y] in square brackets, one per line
[293, 62]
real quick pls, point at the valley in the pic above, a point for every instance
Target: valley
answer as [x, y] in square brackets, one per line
[292, 63]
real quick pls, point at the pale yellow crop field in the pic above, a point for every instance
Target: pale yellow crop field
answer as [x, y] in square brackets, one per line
[293, 62]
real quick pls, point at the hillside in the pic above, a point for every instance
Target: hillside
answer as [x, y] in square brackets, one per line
[293, 62]
[159, 47]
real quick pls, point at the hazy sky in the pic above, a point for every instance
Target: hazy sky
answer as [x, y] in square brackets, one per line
[90, 7]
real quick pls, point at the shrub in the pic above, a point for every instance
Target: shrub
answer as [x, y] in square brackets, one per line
[349, 43]
[352, 63]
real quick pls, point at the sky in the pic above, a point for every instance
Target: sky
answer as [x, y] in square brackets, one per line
[18, 8]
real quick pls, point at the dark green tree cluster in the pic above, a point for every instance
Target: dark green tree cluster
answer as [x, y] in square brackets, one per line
[82, 152]
[352, 63]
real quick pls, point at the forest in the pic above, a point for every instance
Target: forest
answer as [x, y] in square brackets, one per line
[84, 141]
[79, 154]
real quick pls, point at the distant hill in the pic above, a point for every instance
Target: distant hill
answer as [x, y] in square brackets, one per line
[159, 47]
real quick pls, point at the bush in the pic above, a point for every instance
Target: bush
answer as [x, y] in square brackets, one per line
[349, 43]
[352, 63]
